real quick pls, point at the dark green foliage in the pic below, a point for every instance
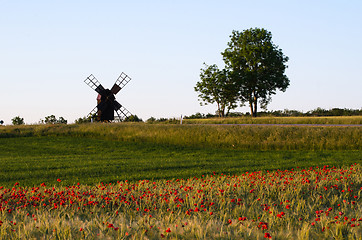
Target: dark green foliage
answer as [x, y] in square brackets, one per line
[335, 112]
[257, 66]
[18, 120]
[83, 120]
[254, 70]
[53, 120]
[151, 120]
[217, 86]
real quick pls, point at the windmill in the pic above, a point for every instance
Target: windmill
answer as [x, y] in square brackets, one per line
[106, 101]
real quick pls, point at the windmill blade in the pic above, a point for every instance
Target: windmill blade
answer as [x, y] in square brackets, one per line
[122, 80]
[116, 105]
[121, 111]
[94, 84]
[93, 112]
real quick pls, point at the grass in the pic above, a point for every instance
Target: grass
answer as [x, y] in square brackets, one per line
[210, 136]
[32, 160]
[278, 120]
[141, 181]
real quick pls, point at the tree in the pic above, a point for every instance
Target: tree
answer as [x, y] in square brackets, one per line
[257, 66]
[1, 122]
[17, 120]
[83, 120]
[50, 119]
[217, 86]
[61, 120]
[53, 120]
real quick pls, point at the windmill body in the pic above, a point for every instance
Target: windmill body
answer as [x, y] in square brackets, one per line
[106, 100]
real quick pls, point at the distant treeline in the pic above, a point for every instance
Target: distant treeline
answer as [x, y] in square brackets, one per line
[318, 112]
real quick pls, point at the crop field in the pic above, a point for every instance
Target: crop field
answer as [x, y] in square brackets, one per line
[152, 181]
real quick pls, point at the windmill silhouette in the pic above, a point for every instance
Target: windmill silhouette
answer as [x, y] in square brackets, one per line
[106, 100]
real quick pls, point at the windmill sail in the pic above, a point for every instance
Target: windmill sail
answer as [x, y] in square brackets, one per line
[122, 80]
[94, 84]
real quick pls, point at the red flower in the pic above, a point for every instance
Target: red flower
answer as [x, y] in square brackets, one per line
[59, 180]
[281, 214]
[168, 230]
[267, 235]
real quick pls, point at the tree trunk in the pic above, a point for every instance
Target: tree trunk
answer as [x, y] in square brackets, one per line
[255, 114]
[222, 110]
[218, 109]
[251, 109]
[253, 102]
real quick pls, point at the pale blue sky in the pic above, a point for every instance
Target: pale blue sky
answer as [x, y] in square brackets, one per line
[48, 48]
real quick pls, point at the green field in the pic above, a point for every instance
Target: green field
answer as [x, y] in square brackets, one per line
[192, 181]
[93, 153]
[278, 120]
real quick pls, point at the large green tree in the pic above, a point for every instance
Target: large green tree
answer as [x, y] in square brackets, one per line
[217, 86]
[257, 66]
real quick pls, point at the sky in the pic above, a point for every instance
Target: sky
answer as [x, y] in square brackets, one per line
[48, 48]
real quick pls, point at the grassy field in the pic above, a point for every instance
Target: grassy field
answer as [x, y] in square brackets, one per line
[278, 120]
[93, 153]
[153, 181]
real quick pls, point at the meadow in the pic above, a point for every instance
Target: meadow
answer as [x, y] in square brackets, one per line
[148, 181]
[278, 120]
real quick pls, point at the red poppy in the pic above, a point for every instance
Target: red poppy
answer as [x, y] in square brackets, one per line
[267, 235]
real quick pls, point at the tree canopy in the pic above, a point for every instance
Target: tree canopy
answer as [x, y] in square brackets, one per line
[217, 86]
[258, 66]
[53, 120]
[254, 70]
[18, 120]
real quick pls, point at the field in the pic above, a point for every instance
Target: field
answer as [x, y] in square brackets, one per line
[278, 120]
[134, 181]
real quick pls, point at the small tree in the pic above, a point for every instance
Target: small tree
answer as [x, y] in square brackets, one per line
[151, 120]
[61, 120]
[1, 122]
[53, 120]
[83, 120]
[18, 120]
[217, 86]
[50, 119]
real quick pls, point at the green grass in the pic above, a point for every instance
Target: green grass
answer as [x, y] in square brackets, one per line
[278, 120]
[89, 160]
[210, 136]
